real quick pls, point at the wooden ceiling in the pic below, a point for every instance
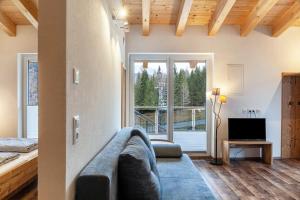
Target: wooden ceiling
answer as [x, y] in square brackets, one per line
[17, 12]
[278, 14]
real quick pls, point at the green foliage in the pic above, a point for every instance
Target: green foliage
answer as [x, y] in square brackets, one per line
[145, 90]
[189, 88]
[151, 95]
[181, 90]
[197, 87]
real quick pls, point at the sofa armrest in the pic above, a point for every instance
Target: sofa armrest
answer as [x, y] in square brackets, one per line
[167, 150]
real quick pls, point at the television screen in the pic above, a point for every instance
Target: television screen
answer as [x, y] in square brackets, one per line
[247, 129]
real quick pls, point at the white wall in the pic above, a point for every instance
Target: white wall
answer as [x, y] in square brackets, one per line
[52, 100]
[24, 42]
[95, 47]
[88, 40]
[264, 59]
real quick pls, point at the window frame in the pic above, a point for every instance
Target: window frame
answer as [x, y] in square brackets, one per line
[170, 59]
[22, 63]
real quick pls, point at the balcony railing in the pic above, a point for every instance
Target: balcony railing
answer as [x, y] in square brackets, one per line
[186, 118]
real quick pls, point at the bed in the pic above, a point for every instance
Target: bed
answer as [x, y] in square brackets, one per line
[18, 173]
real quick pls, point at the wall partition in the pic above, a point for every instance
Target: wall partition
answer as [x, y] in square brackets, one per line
[167, 97]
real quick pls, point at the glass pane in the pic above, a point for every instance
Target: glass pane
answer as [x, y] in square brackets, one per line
[151, 97]
[32, 94]
[189, 124]
[32, 100]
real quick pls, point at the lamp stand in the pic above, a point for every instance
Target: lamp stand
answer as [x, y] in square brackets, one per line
[216, 161]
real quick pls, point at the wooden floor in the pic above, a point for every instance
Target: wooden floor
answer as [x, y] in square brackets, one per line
[253, 179]
[27, 193]
[241, 180]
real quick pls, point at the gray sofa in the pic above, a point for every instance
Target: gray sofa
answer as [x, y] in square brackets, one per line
[179, 178]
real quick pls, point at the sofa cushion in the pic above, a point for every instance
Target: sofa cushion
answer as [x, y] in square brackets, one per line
[167, 150]
[176, 167]
[181, 180]
[137, 179]
[185, 189]
[99, 179]
[147, 144]
[142, 133]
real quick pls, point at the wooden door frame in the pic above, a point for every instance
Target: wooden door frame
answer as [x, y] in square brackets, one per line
[283, 136]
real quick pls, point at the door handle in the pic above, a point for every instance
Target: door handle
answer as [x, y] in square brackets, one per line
[298, 103]
[291, 103]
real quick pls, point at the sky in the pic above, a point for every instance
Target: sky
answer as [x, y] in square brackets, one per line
[153, 67]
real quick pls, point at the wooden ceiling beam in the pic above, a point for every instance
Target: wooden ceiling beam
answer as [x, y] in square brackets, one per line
[146, 4]
[29, 10]
[222, 10]
[257, 15]
[7, 25]
[183, 16]
[287, 19]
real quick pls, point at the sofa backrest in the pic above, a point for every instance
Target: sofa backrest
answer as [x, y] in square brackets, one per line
[99, 179]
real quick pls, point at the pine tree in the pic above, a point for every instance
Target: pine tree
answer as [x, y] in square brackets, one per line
[191, 88]
[197, 87]
[185, 94]
[151, 93]
[202, 87]
[177, 89]
[141, 89]
[137, 90]
[161, 80]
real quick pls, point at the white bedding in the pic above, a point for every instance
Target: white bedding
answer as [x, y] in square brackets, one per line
[20, 145]
[6, 157]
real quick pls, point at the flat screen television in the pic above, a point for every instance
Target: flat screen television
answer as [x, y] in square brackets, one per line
[247, 129]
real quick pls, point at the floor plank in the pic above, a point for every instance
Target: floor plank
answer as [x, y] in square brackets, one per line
[27, 193]
[223, 191]
[253, 180]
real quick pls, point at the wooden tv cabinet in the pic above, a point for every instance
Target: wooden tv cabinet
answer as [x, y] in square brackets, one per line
[265, 145]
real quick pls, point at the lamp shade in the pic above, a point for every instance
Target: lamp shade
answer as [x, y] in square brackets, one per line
[215, 91]
[223, 99]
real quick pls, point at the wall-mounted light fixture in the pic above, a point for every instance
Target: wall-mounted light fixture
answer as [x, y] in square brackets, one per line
[120, 18]
[193, 64]
[145, 64]
[120, 14]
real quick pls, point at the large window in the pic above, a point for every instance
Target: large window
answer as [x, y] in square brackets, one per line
[168, 98]
[28, 95]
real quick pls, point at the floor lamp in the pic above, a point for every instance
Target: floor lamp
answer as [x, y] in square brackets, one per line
[215, 98]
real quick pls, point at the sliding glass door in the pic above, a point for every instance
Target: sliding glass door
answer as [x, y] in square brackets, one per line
[151, 96]
[167, 98]
[189, 105]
